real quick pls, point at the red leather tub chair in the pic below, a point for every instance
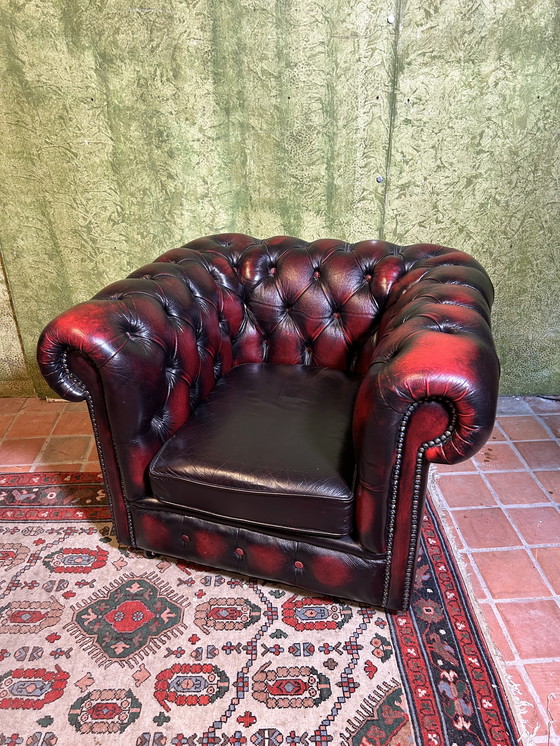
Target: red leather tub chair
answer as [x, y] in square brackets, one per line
[271, 407]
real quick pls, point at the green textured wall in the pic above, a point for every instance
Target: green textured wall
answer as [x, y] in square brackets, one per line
[14, 376]
[127, 130]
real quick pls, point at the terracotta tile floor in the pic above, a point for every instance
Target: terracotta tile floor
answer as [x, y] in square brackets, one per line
[503, 509]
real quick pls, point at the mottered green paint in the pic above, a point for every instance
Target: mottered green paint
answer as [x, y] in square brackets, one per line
[14, 375]
[475, 162]
[129, 129]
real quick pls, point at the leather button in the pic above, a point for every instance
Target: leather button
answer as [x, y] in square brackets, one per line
[336, 315]
[298, 565]
[185, 537]
[272, 271]
[368, 277]
[239, 552]
[316, 274]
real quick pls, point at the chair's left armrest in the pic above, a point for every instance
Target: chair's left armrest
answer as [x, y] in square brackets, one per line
[142, 353]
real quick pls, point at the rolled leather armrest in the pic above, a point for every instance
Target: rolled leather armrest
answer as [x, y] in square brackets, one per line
[434, 345]
[142, 353]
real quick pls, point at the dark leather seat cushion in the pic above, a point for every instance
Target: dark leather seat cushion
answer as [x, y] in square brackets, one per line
[271, 446]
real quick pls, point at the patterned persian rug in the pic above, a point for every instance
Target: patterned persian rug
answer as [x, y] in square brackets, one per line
[97, 642]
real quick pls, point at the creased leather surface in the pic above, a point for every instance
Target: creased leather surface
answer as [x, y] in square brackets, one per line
[272, 446]
[413, 320]
[434, 342]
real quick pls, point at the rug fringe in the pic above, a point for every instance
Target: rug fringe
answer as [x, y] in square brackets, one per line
[367, 709]
[518, 705]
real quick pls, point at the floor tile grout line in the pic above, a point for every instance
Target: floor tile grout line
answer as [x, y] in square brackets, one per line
[548, 501]
[5, 468]
[87, 460]
[519, 470]
[537, 661]
[496, 496]
[17, 411]
[478, 550]
[517, 657]
[537, 566]
[468, 553]
[453, 521]
[522, 671]
[50, 434]
[541, 570]
[548, 430]
[510, 440]
[524, 543]
[524, 599]
[529, 413]
[491, 603]
[519, 662]
[541, 485]
[22, 411]
[41, 451]
[523, 413]
[471, 551]
[520, 456]
[505, 506]
[37, 462]
[543, 399]
[500, 430]
[539, 418]
[480, 577]
[524, 464]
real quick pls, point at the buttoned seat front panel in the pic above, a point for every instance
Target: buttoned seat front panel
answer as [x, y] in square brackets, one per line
[270, 446]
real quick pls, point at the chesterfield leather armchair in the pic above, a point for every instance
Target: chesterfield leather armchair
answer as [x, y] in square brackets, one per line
[271, 407]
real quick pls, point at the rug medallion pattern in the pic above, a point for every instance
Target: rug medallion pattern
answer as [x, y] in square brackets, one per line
[97, 641]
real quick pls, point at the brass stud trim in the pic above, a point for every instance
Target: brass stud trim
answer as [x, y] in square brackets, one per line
[416, 497]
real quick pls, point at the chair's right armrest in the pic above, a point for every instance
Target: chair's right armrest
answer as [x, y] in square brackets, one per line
[434, 346]
[429, 395]
[142, 353]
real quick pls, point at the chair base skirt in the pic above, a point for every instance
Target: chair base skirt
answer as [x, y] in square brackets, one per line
[305, 565]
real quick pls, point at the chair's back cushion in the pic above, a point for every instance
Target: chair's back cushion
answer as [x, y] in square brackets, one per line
[284, 300]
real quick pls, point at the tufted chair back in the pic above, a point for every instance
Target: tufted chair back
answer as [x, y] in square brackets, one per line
[280, 301]
[297, 303]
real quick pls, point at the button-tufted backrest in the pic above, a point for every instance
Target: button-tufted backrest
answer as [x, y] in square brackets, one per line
[284, 300]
